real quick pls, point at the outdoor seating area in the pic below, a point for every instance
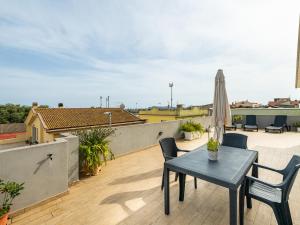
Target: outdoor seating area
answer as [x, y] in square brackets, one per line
[128, 190]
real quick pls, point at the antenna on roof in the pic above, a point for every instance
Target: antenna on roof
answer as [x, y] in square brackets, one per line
[100, 101]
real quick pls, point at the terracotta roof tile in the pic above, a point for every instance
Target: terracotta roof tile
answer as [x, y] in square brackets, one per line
[63, 118]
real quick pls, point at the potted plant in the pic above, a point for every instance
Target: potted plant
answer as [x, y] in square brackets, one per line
[192, 130]
[94, 149]
[238, 121]
[9, 190]
[213, 149]
[297, 125]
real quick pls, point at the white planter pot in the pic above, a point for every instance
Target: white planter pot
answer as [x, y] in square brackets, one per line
[298, 129]
[197, 135]
[239, 125]
[188, 136]
[213, 156]
[191, 135]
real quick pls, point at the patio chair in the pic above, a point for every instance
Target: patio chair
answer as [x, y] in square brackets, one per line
[230, 127]
[250, 123]
[170, 150]
[276, 196]
[278, 125]
[235, 140]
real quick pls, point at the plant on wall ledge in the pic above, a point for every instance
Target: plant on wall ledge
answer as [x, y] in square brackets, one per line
[8, 191]
[94, 149]
[192, 130]
[237, 119]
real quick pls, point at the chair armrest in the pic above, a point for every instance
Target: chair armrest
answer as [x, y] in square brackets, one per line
[180, 150]
[263, 182]
[267, 168]
[169, 158]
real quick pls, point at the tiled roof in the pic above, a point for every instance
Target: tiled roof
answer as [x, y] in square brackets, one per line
[72, 118]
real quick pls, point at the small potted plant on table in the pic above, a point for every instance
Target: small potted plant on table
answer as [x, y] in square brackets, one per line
[9, 190]
[297, 125]
[192, 130]
[213, 149]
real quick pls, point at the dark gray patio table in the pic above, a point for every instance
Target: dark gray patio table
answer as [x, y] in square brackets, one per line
[229, 171]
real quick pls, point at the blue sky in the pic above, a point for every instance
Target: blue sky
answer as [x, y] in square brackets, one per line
[75, 51]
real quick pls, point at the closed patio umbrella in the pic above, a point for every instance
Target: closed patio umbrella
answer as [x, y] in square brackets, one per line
[221, 108]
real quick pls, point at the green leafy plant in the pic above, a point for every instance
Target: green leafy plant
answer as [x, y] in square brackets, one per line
[191, 126]
[9, 190]
[237, 119]
[296, 124]
[94, 148]
[212, 145]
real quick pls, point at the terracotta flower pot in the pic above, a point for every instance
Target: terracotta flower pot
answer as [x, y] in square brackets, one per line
[96, 171]
[4, 219]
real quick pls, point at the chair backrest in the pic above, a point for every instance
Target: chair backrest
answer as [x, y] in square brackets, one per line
[168, 147]
[289, 175]
[251, 120]
[280, 121]
[235, 140]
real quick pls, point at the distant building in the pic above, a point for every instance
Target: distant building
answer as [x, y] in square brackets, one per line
[283, 103]
[46, 124]
[245, 104]
[157, 115]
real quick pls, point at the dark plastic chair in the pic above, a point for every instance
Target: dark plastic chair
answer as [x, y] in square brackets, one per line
[235, 140]
[250, 123]
[278, 125]
[276, 196]
[170, 150]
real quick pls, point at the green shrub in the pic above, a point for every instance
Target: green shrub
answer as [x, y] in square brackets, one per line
[237, 119]
[191, 126]
[212, 145]
[9, 190]
[94, 148]
[296, 124]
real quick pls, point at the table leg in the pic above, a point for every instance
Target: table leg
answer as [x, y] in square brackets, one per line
[249, 201]
[233, 206]
[242, 202]
[167, 190]
[255, 169]
[181, 186]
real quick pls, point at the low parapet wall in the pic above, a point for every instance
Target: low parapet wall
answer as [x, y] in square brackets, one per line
[133, 138]
[12, 128]
[44, 178]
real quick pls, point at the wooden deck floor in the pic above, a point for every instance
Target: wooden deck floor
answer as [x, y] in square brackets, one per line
[128, 192]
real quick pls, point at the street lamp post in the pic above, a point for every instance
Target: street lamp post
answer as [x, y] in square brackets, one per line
[171, 86]
[109, 114]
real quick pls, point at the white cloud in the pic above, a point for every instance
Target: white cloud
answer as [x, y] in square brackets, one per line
[134, 48]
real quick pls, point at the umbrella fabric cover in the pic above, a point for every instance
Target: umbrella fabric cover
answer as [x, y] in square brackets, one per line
[221, 108]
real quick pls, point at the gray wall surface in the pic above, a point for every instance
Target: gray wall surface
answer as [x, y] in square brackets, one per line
[43, 178]
[12, 128]
[73, 157]
[136, 137]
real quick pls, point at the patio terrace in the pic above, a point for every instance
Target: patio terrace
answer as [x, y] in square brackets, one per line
[128, 191]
